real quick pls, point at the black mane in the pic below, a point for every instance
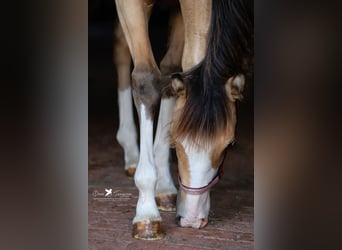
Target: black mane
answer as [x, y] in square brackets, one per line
[229, 53]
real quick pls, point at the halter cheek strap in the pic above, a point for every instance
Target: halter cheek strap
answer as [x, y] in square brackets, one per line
[201, 190]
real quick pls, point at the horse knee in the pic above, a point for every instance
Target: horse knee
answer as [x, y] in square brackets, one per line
[168, 67]
[145, 91]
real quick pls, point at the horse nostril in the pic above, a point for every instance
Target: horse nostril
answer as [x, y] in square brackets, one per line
[195, 223]
[178, 220]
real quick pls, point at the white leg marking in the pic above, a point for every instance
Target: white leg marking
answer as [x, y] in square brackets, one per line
[127, 134]
[146, 175]
[165, 183]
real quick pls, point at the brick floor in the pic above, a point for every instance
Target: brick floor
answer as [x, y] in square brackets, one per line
[110, 226]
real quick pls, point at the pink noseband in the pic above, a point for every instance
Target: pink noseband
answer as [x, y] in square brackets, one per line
[201, 190]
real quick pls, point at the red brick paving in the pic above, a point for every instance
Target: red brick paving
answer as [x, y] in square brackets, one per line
[110, 219]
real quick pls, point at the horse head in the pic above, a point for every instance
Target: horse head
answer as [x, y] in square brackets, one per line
[203, 126]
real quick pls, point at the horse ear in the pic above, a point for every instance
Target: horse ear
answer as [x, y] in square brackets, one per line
[235, 86]
[177, 84]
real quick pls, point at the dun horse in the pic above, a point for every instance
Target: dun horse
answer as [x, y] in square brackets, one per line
[201, 77]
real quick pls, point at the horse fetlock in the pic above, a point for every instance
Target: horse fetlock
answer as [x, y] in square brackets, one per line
[146, 211]
[145, 180]
[166, 193]
[166, 202]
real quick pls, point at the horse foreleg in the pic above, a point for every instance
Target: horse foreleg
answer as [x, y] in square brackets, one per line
[133, 16]
[196, 17]
[166, 192]
[127, 134]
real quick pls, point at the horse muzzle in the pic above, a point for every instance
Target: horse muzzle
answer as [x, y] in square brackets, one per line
[193, 210]
[193, 222]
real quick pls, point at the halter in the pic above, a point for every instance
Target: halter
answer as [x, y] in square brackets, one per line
[215, 180]
[201, 190]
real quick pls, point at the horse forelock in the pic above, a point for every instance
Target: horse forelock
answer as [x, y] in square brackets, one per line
[206, 111]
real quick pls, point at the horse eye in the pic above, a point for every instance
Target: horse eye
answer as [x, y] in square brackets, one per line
[232, 142]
